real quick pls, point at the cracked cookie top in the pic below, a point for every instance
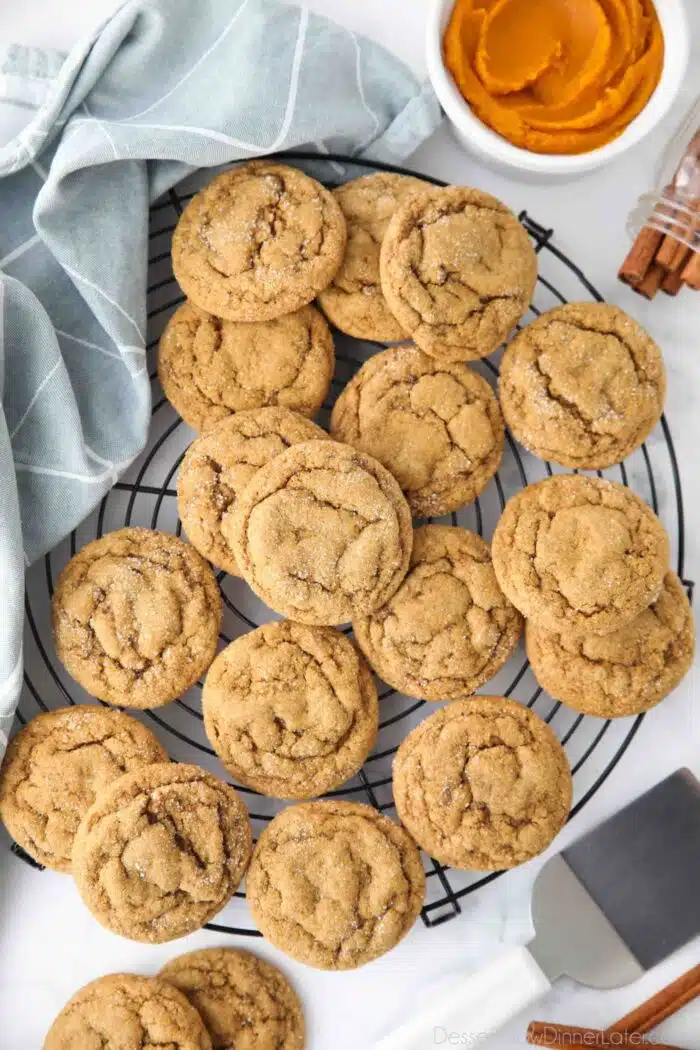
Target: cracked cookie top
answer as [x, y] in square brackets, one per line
[57, 765]
[322, 533]
[210, 368]
[436, 427]
[219, 465]
[624, 673]
[245, 1002]
[291, 710]
[161, 851]
[136, 617]
[125, 1011]
[580, 555]
[458, 271]
[449, 627]
[583, 385]
[354, 302]
[482, 784]
[335, 884]
[259, 241]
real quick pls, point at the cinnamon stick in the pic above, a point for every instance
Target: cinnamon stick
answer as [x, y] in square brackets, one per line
[691, 272]
[671, 253]
[639, 1021]
[664, 1004]
[673, 282]
[640, 255]
[556, 1036]
[651, 282]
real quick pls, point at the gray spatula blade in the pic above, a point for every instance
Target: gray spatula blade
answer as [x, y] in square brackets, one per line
[627, 895]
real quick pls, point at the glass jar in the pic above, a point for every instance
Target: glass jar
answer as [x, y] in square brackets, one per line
[673, 206]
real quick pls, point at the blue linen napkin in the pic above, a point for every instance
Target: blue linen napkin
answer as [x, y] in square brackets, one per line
[163, 88]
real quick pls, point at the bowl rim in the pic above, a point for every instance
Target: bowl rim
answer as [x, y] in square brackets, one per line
[674, 24]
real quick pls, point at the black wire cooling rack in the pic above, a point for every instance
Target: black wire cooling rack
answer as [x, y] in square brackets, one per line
[146, 495]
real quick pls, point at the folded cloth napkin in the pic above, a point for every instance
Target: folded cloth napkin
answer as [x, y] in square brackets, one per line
[163, 88]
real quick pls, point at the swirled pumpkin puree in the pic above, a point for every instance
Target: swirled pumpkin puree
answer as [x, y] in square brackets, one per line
[555, 76]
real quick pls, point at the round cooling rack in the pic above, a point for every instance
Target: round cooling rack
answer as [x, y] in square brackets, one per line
[146, 495]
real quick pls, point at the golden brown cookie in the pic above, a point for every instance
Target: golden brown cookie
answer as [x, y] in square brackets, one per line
[437, 428]
[458, 271]
[322, 533]
[449, 627]
[210, 368]
[334, 884]
[623, 673]
[291, 710]
[580, 555]
[125, 1012]
[583, 385]
[136, 617]
[57, 765]
[354, 302]
[219, 465]
[259, 241]
[161, 851]
[482, 784]
[245, 1002]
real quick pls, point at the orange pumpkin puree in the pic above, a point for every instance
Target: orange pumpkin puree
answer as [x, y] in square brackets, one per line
[555, 76]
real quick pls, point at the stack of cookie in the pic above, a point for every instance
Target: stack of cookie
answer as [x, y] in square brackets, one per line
[206, 1000]
[321, 528]
[609, 626]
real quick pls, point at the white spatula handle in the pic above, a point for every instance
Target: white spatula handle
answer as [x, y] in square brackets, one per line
[476, 1007]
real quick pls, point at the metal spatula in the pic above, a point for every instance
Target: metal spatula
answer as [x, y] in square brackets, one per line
[614, 904]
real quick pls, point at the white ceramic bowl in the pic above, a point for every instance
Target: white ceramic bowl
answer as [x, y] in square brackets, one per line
[480, 140]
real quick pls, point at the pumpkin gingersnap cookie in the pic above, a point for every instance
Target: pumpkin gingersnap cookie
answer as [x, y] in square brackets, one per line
[458, 271]
[136, 617]
[57, 765]
[436, 427]
[580, 555]
[243, 1000]
[353, 302]
[322, 533]
[259, 241]
[123, 1011]
[210, 368]
[335, 884]
[583, 385]
[161, 851]
[219, 465]
[482, 784]
[624, 673]
[449, 627]
[291, 710]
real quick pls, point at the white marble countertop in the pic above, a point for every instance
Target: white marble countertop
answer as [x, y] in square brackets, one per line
[49, 945]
